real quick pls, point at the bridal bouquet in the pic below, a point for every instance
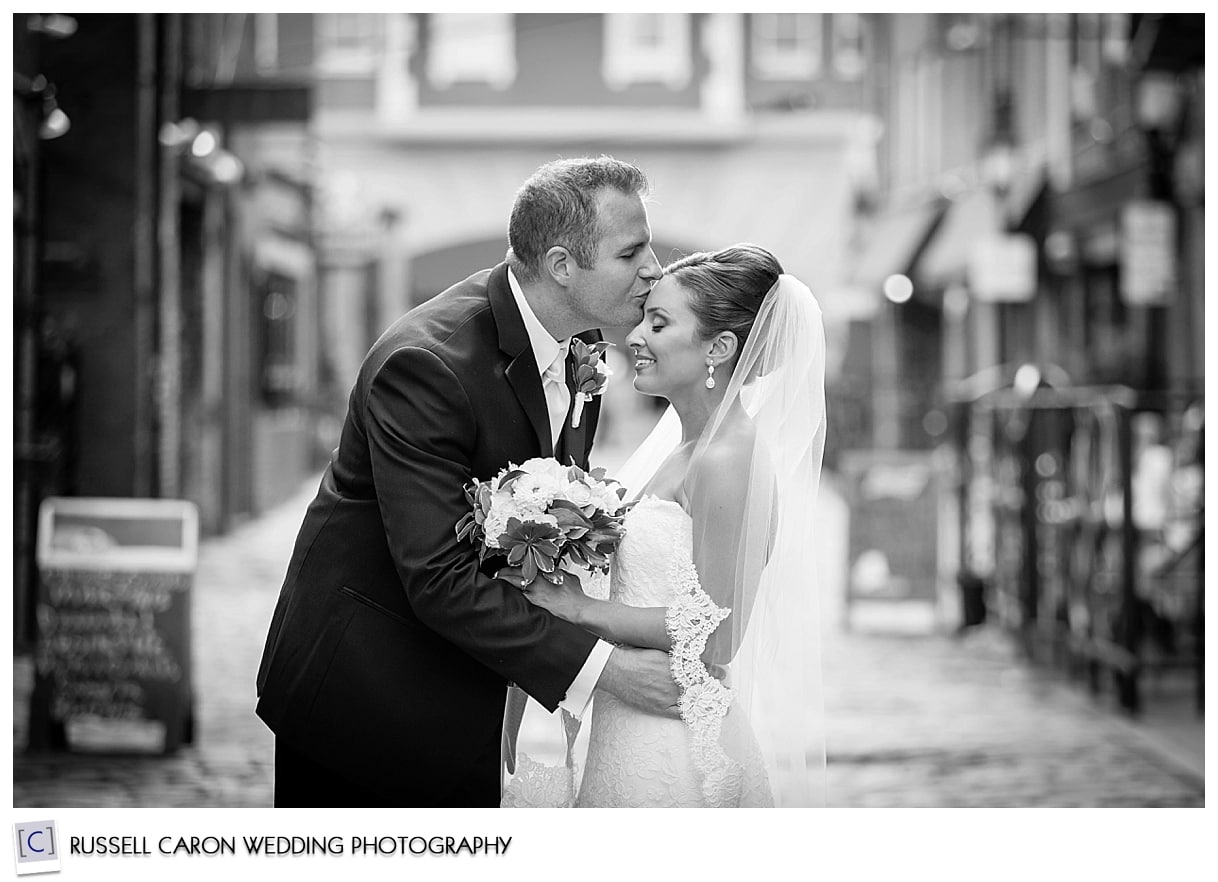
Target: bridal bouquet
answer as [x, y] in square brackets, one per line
[542, 514]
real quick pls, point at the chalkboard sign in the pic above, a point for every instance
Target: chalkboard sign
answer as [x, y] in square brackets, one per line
[113, 612]
[894, 518]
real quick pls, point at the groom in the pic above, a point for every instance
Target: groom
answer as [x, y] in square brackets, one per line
[384, 672]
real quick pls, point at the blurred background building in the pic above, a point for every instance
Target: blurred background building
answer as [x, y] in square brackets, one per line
[1002, 216]
[166, 315]
[1034, 254]
[749, 126]
[219, 213]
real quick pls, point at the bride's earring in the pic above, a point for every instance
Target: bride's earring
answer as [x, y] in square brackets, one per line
[710, 374]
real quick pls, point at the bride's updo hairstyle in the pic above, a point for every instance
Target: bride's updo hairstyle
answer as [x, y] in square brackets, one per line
[725, 287]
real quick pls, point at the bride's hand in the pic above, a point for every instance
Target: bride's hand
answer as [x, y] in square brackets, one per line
[564, 601]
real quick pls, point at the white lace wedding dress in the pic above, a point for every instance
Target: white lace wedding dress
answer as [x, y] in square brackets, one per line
[709, 758]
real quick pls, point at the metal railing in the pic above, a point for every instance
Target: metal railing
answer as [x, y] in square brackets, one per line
[1083, 512]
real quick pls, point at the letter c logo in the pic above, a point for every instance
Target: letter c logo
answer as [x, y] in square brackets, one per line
[29, 842]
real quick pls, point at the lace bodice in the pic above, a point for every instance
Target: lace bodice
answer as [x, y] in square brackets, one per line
[658, 532]
[636, 759]
[642, 760]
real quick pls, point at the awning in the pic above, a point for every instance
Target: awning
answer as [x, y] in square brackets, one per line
[894, 243]
[975, 214]
[946, 257]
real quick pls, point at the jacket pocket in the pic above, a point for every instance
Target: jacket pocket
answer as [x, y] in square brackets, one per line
[372, 604]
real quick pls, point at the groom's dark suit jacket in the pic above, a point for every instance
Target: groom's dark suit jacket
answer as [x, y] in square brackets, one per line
[389, 649]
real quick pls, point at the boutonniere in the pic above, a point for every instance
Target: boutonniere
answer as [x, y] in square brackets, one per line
[591, 374]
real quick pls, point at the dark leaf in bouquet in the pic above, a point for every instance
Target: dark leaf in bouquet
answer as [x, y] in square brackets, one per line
[598, 473]
[603, 538]
[565, 505]
[530, 545]
[585, 542]
[465, 526]
[528, 569]
[506, 482]
[596, 551]
[575, 473]
[514, 527]
[531, 533]
[570, 517]
[483, 502]
[574, 533]
[602, 520]
[571, 521]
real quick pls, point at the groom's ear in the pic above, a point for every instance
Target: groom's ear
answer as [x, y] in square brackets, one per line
[559, 263]
[724, 346]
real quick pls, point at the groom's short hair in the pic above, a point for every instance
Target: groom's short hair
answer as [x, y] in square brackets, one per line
[559, 205]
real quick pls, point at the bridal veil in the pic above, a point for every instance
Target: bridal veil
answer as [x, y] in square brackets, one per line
[754, 534]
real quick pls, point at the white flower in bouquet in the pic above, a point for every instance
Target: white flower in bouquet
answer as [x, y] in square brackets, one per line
[579, 493]
[542, 465]
[534, 493]
[544, 516]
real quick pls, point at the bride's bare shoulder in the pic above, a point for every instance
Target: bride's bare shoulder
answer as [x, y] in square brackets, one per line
[727, 459]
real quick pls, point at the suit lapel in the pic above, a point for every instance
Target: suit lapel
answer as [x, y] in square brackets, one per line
[522, 372]
[525, 382]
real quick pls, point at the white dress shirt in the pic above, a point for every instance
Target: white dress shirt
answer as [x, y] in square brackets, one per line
[546, 349]
[551, 358]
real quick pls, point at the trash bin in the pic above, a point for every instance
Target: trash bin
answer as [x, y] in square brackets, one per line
[113, 616]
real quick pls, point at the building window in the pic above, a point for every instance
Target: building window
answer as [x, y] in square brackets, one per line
[848, 63]
[787, 45]
[471, 48]
[348, 43]
[266, 41]
[647, 47]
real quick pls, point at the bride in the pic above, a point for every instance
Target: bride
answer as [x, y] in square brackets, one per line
[715, 567]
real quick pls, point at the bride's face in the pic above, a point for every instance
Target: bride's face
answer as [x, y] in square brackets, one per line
[669, 355]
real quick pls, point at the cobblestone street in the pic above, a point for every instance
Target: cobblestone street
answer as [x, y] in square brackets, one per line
[929, 721]
[915, 719]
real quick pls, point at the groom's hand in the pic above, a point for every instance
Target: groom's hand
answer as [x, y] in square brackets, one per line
[643, 679]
